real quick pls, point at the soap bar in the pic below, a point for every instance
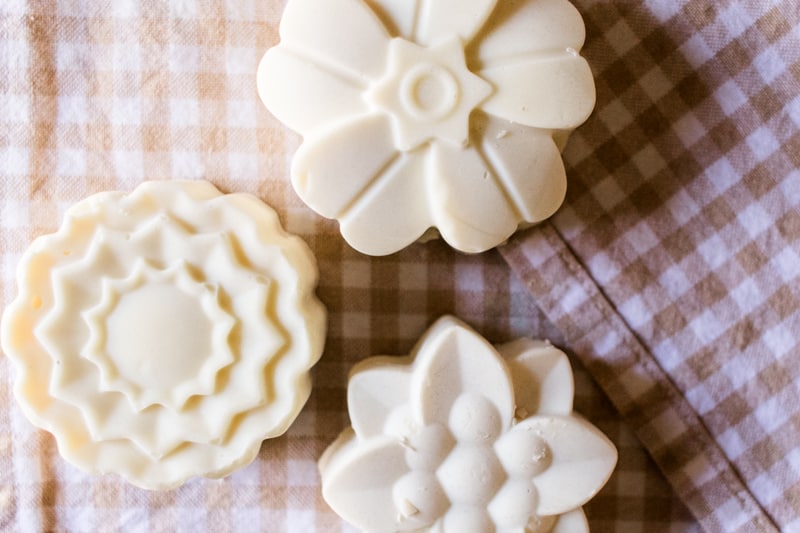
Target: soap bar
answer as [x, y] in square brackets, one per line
[461, 436]
[425, 118]
[164, 333]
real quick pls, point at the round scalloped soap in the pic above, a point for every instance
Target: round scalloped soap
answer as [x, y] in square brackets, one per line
[165, 333]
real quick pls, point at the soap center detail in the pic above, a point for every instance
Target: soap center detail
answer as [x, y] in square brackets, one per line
[428, 93]
[158, 337]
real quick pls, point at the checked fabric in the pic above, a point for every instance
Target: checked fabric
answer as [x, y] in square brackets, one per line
[671, 274]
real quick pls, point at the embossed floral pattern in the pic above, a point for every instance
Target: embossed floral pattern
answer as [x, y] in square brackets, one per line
[422, 114]
[463, 437]
[164, 333]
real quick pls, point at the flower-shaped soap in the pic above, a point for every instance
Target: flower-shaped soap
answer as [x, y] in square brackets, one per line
[429, 114]
[165, 333]
[462, 437]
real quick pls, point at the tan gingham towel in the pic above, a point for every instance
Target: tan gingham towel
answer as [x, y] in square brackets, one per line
[671, 272]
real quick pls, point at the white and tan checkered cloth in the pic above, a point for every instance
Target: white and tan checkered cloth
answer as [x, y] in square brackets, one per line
[672, 272]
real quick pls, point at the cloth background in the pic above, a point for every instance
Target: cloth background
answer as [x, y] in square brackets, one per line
[671, 274]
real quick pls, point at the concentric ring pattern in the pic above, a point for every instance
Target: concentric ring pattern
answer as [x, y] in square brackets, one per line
[165, 333]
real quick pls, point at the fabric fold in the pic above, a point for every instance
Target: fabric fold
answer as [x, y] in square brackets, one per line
[642, 392]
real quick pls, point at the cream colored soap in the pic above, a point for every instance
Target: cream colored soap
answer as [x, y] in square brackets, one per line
[463, 437]
[164, 333]
[431, 116]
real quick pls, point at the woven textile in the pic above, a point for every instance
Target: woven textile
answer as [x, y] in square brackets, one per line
[671, 273]
[673, 269]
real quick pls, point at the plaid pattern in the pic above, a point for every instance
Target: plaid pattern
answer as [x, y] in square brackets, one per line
[681, 237]
[680, 231]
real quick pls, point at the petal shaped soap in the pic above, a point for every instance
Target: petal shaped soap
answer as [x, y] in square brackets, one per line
[165, 333]
[462, 436]
[425, 118]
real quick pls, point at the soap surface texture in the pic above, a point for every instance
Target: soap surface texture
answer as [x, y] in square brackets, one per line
[429, 116]
[164, 333]
[461, 436]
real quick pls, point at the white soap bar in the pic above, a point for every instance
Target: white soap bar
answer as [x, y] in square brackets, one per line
[461, 436]
[165, 333]
[424, 117]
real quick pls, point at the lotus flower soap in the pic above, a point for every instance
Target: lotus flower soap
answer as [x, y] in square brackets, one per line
[165, 333]
[425, 117]
[464, 437]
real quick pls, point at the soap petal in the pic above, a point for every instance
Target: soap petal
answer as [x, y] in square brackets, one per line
[345, 34]
[552, 91]
[391, 214]
[527, 163]
[303, 93]
[398, 16]
[571, 522]
[442, 19]
[332, 169]
[359, 484]
[377, 388]
[529, 26]
[454, 361]
[543, 383]
[473, 212]
[582, 459]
